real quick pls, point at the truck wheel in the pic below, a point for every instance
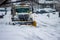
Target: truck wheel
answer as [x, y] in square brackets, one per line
[13, 23]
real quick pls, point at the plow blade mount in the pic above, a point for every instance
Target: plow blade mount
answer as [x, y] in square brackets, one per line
[33, 23]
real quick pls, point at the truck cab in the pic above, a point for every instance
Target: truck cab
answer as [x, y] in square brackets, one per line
[22, 15]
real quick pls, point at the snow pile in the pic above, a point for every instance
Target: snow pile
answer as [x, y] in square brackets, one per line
[23, 32]
[44, 19]
[7, 17]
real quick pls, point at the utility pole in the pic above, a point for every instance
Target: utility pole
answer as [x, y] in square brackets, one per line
[54, 4]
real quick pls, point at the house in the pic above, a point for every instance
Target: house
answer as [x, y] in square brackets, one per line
[46, 3]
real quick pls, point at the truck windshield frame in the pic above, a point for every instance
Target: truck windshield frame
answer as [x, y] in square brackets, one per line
[22, 10]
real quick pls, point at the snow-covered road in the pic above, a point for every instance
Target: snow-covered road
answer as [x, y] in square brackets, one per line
[46, 30]
[25, 32]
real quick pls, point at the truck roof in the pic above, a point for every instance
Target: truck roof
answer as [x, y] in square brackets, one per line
[22, 6]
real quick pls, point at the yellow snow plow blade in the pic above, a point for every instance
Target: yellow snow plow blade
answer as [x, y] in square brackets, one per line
[34, 23]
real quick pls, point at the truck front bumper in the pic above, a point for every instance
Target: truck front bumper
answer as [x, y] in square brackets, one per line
[23, 22]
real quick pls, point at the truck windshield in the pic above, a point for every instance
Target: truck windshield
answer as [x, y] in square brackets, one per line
[22, 10]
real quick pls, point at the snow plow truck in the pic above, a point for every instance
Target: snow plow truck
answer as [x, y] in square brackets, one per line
[22, 15]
